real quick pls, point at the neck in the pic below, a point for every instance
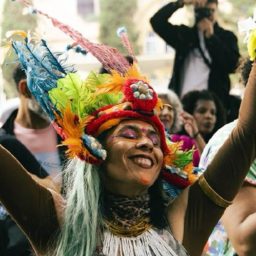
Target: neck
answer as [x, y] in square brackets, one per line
[125, 215]
[30, 120]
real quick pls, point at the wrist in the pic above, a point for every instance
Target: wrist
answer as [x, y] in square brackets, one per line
[196, 135]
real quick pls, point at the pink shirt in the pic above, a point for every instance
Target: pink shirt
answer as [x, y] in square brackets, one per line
[42, 144]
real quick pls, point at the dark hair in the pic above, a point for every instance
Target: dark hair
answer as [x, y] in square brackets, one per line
[158, 202]
[190, 99]
[245, 69]
[18, 74]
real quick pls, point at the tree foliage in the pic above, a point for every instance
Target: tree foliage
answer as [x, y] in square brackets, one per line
[240, 10]
[115, 14]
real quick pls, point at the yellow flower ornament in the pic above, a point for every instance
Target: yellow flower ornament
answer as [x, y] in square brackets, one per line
[248, 26]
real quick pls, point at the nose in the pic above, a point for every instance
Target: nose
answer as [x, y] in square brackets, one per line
[145, 144]
[164, 112]
[209, 114]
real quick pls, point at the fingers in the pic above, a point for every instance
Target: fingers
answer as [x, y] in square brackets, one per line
[200, 3]
[186, 116]
[189, 122]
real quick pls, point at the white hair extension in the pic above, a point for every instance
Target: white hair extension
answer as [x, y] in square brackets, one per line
[81, 220]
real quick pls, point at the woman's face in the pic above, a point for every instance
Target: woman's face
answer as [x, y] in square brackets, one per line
[205, 115]
[134, 158]
[167, 117]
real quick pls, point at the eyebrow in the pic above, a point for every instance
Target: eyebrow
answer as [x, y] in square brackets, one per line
[169, 106]
[137, 128]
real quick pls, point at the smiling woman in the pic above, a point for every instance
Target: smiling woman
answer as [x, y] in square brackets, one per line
[113, 202]
[134, 158]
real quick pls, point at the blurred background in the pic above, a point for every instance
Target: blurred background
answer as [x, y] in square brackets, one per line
[98, 21]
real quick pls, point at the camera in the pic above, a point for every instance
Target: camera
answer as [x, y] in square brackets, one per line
[202, 12]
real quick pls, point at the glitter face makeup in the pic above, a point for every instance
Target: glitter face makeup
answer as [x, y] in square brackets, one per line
[134, 158]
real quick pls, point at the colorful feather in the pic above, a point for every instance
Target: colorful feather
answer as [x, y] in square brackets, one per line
[110, 57]
[43, 69]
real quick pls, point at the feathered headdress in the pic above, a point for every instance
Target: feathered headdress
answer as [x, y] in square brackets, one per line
[81, 110]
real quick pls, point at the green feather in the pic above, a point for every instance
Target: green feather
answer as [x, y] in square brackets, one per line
[59, 98]
[183, 158]
[81, 94]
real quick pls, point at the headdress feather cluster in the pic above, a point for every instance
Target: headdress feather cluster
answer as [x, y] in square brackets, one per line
[81, 110]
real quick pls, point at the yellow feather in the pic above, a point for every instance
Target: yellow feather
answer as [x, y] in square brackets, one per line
[117, 80]
[71, 124]
[12, 33]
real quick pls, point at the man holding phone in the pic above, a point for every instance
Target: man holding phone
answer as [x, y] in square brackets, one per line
[205, 54]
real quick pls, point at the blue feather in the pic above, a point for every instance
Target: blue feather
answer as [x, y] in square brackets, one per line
[43, 68]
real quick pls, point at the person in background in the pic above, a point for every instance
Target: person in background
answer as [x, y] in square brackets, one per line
[205, 54]
[28, 135]
[31, 127]
[175, 182]
[170, 113]
[204, 108]
[236, 231]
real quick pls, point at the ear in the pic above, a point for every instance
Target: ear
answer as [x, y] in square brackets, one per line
[23, 89]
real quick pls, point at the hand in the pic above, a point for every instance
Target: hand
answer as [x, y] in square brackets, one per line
[206, 26]
[190, 124]
[197, 3]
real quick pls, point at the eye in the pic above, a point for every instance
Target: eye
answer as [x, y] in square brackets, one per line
[213, 112]
[154, 138]
[128, 133]
[201, 110]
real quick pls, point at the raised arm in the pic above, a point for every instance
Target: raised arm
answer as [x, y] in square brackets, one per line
[198, 208]
[173, 35]
[30, 204]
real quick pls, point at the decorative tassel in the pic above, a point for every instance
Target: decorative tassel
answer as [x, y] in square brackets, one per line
[147, 244]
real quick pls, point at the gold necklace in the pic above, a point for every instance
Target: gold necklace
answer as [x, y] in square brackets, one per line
[134, 230]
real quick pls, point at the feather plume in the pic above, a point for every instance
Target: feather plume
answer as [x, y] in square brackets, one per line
[43, 69]
[110, 57]
[122, 33]
[116, 81]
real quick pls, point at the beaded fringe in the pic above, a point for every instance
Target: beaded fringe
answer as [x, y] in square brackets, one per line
[149, 243]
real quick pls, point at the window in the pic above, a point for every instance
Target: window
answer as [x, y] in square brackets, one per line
[85, 7]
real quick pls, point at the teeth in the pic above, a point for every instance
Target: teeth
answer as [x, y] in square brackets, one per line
[143, 162]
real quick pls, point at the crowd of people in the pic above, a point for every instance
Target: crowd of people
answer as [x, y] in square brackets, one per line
[106, 167]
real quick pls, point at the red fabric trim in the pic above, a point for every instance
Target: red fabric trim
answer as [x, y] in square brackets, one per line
[175, 180]
[94, 125]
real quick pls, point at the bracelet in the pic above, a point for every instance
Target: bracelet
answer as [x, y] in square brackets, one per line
[211, 194]
[195, 135]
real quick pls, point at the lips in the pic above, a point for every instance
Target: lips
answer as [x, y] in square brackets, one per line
[142, 161]
[208, 125]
